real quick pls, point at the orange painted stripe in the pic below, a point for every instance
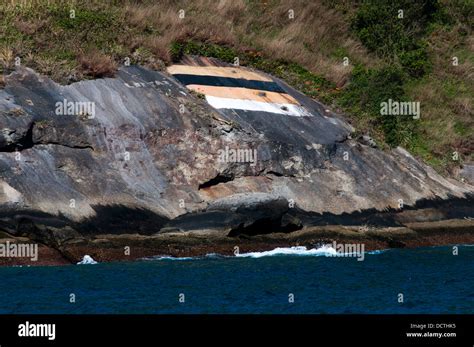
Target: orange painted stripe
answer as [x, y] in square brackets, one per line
[244, 94]
[218, 71]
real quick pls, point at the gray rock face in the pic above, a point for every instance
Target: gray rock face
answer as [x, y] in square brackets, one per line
[146, 158]
[467, 173]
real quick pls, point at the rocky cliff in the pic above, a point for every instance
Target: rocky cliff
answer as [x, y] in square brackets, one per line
[202, 149]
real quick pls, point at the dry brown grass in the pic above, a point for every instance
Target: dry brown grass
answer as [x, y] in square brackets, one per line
[29, 27]
[316, 38]
[6, 57]
[96, 64]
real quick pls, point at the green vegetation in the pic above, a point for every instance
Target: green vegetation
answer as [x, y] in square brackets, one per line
[368, 89]
[411, 39]
[394, 30]
[408, 58]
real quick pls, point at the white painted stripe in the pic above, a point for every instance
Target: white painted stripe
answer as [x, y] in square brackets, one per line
[251, 105]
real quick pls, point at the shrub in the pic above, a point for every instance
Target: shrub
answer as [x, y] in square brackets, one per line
[381, 30]
[378, 26]
[96, 64]
[415, 62]
[368, 89]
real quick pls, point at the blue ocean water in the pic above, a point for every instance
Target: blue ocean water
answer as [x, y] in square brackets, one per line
[432, 280]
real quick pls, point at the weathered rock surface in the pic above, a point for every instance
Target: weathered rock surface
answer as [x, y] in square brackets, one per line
[147, 163]
[467, 173]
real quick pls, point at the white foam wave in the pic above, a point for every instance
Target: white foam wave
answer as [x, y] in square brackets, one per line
[87, 260]
[167, 257]
[299, 250]
[324, 250]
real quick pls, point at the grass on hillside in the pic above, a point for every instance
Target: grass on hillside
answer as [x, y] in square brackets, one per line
[388, 57]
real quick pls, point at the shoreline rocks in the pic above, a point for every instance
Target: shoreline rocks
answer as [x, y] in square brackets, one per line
[132, 247]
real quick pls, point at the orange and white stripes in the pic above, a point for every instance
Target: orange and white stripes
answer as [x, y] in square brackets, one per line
[236, 88]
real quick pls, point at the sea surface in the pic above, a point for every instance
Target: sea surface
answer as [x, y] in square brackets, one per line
[431, 280]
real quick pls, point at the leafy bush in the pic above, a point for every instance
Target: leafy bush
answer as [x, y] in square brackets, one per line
[381, 30]
[368, 89]
[415, 62]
